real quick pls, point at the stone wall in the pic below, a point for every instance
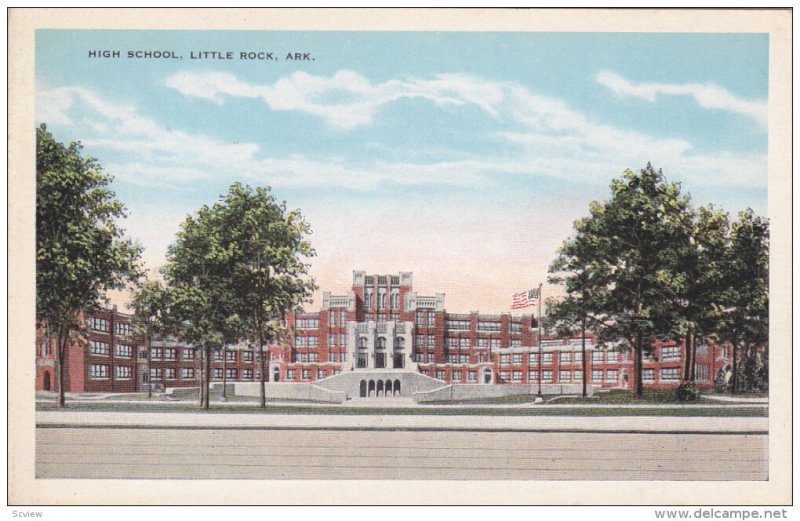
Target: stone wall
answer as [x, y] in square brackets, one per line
[458, 392]
[289, 391]
[350, 382]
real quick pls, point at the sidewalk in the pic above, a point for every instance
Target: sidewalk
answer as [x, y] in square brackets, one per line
[736, 399]
[192, 420]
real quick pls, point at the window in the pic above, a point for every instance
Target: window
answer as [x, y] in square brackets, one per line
[597, 375]
[547, 358]
[368, 317]
[564, 376]
[472, 376]
[670, 374]
[290, 374]
[452, 342]
[342, 339]
[431, 320]
[533, 358]
[431, 341]
[188, 354]
[247, 356]
[670, 353]
[516, 327]
[230, 356]
[565, 357]
[305, 374]
[381, 298]
[247, 374]
[483, 342]
[533, 376]
[170, 354]
[516, 358]
[312, 357]
[331, 339]
[516, 376]
[577, 376]
[231, 374]
[381, 317]
[463, 343]
[494, 343]
[547, 376]
[331, 357]
[307, 323]
[169, 373]
[419, 341]
[597, 356]
[98, 348]
[577, 356]
[320, 374]
[217, 373]
[461, 325]
[504, 376]
[156, 373]
[488, 326]
[142, 353]
[394, 301]
[612, 375]
[217, 356]
[440, 374]
[342, 357]
[648, 375]
[456, 376]
[122, 328]
[98, 324]
[612, 357]
[430, 358]
[504, 360]
[98, 371]
[123, 351]
[463, 359]
[122, 372]
[516, 342]
[420, 319]
[187, 373]
[368, 299]
[311, 341]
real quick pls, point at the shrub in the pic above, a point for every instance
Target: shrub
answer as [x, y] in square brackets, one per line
[687, 392]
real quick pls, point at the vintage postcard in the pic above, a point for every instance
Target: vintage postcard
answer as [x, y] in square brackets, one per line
[331, 256]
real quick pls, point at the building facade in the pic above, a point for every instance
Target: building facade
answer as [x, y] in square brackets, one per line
[380, 327]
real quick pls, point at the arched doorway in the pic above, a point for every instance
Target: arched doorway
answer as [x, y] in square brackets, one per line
[387, 388]
[362, 389]
[371, 388]
[276, 375]
[380, 388]
[47, 384]
[397, 387]
[487, 375]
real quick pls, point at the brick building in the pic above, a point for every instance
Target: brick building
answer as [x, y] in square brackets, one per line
[380, 327]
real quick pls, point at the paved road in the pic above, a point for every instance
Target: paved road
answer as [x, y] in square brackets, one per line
[198, 446]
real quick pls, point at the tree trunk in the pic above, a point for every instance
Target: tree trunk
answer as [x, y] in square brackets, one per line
[583, 352]
[200, 379]
[687, 355]
[735, 376]
[207, 386]
[637, 367]
[224, 371]
[262, 392]
[693, 351]
[148, 343]
[60, 351]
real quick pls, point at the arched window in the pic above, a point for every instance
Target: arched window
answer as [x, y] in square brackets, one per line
[397, 387]
[368, 300]
[400, 343]
[362, 342]
[381, 299]
[380, 343]
[362, 389]
[394, 300]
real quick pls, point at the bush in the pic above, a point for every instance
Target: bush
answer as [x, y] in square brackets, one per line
[687, 392]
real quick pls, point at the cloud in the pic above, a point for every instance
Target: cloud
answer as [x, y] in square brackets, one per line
[706, 95]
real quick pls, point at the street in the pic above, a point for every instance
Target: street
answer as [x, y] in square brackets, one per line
[196, 446]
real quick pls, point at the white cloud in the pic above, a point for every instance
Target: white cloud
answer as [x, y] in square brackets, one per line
[706, 95]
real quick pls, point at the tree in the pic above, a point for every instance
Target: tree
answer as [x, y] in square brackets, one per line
[745, 317]
[237, 266]
[149, 305]
[269, 247]
[80, 249]
[201, 307]
[623, 262]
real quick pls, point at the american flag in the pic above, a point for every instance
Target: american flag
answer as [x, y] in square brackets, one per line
[525, 299]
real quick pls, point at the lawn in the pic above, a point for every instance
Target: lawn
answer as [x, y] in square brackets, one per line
[218, 408]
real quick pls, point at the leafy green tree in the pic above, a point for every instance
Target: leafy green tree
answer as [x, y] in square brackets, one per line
[81, 251]
[745, 317]
[269, 274]
[234, 271]
[149, 305]
[623, 262]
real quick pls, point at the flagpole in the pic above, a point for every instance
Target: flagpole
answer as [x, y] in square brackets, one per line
[539, 324]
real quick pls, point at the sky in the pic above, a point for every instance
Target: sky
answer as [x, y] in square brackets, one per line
[463, 157]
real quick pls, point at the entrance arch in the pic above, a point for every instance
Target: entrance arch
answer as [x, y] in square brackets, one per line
[47, 384]
[487, 375]
[387, 388]
[371, 388]
[380, 388]
[362, 389]
[276, 375]
[397, 387]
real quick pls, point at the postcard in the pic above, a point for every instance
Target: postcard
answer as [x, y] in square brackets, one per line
[322, 256]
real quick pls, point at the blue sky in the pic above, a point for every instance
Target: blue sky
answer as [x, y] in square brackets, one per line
[463, 157]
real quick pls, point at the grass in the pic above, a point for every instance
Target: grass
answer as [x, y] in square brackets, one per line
[429, 410]
[622, 397]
